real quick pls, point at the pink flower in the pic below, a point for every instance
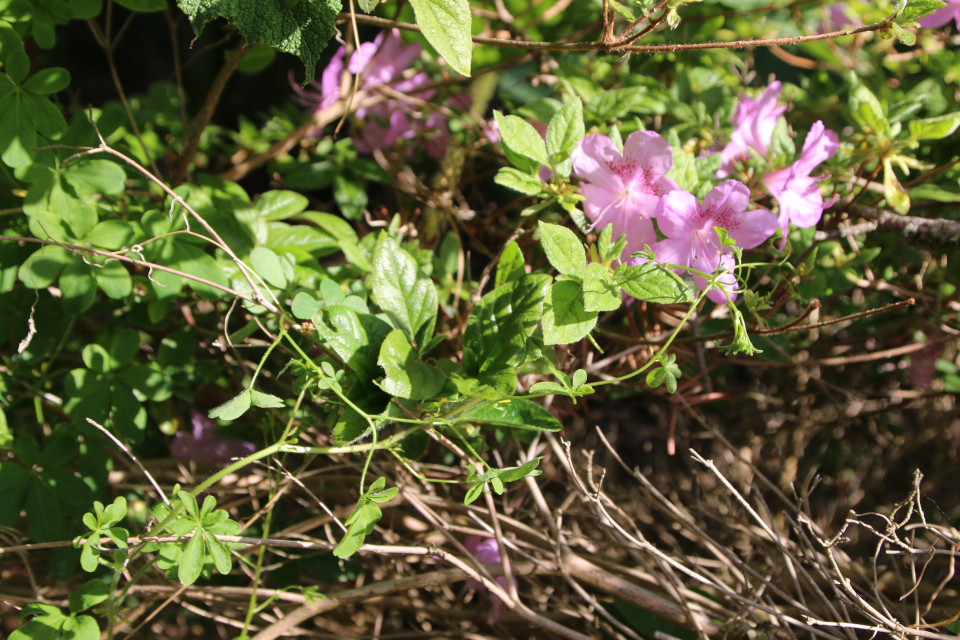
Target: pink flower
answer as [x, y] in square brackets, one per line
[943, 16]
[692, 240]
[624, 190]
[798, 193]
[203, 444]
[754, 122]
[487, 551]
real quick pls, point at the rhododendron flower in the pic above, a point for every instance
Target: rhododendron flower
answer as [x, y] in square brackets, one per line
[754, 122]
[487, 551]
[798, 194]
[204, 445]
[692, 240]
[943, 16]
[623, 190]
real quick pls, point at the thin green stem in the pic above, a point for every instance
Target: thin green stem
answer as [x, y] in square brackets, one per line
[264, 359]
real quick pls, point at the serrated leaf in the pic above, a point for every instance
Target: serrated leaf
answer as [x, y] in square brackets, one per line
[564, 250]
[565, 131]
[600, 290]
[446, 25]
[402, 292]
[653, 283]
[518, 181]
[520, 137]
[301, 28]
[565, 320]
[407, 377]
[233, 408]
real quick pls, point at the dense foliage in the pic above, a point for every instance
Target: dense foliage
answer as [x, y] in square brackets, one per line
[405, 265]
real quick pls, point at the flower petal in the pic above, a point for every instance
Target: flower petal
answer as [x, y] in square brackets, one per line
[678, 214]
[646, 158]
[821, 145]
[725, 203]
[597, 159]
[754, 228]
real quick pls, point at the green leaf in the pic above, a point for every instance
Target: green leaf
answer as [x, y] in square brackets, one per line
[518, 181]
[867, 111]
[219, 553]
[368, 5]
[144, 6]
[43, 267]
[499, 326]
[191, 563]
[355, 337]
[446, 25]
[893, 191]
[549, 387]
[934, 128]
[512, 474]
[407, 377]
[565, 132]
[684, 170]
[565, 320]
[111, 235]
[653, 283]
[301, 28]
[280, 205]
[304, 306]
[520, 137]
[350, 196]
[90, 594]
[114, 280]
[615, 104]
[919, 8]
[78, 286]
[473, 493]
[360, 524]
[600, 290]
[233, 408]
[345, 236]
[267, 265]
[564, 250]
[265, 400]
[781, 144]
[152, 383]
[510, 267]
[47, 81]
[903, 35]
[517, 413]
[408, 298]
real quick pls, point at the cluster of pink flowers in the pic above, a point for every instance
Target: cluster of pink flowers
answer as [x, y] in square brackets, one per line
[630, 189]
[382, 63]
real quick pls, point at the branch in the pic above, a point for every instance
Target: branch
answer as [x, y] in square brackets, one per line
[621, 48]
[930, 232]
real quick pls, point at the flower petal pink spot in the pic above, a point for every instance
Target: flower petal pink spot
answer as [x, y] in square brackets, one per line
[623, 190]
[798, 194]
[204, 445]
[754, 122]
[487, 551]
[692, 240]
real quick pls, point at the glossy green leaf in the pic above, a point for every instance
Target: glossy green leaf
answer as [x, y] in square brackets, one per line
[518, 181]
[280, 205]
[111, 235]
[565, 132]
[402, 292]
[407, 377]
[304, 306]
[520, 137]
[355, 337]
[446, 25]
[511, 266]
[565, 320]
[653, 283]
[88, 595]
[600, 290]
[564, 249]
[350, 196]
[517, 413]
[301, 28]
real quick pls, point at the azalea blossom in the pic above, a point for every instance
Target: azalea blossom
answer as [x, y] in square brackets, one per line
[487, 551]
[623, 190]
[204, 445]
[798, 194]
[382, 63]
[754, 121]
[692, 240]
[943, 16]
